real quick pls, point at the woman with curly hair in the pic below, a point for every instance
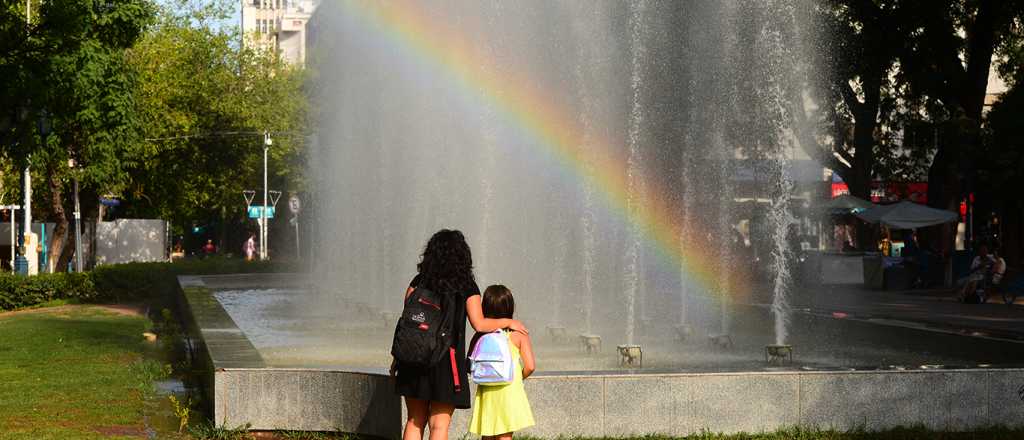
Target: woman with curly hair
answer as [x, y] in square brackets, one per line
[430, 395]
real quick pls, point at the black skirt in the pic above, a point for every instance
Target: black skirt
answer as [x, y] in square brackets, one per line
[435, 384]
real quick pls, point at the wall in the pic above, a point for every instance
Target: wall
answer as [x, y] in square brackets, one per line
[613, 404]
[131, 240]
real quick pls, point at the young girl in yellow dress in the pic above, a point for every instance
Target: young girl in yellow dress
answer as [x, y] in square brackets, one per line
[500, 410]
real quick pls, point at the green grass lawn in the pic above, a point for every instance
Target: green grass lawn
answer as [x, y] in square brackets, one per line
[816, 434]
[84, 372]
[74, 372]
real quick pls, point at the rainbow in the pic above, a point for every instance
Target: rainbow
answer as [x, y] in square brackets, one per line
[553, 128]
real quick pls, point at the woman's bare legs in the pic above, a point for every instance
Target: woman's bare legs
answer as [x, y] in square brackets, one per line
[440, 419]
[417, 412]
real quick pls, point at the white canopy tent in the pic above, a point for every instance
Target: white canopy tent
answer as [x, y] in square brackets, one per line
[907, 215]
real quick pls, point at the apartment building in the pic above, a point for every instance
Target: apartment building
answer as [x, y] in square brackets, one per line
[278, 25]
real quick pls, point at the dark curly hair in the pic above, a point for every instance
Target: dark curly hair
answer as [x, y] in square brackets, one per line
[447, 263]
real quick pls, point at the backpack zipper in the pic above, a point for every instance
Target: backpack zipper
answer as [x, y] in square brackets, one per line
[423, 301]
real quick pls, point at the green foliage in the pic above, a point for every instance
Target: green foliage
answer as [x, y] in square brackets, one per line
[117, 283]
[182, 410]
[209, 431]
[147, 371]
[796, 433]
[73, 373]
[205, 103]
[19, 291]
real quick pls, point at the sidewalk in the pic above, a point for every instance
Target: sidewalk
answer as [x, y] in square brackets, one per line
[936, 308]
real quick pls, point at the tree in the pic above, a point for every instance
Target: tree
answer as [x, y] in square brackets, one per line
[945, 71]
[204, 105]
[70, 62]
[851, 79]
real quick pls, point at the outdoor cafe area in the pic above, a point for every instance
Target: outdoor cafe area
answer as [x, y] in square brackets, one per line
[898, 261]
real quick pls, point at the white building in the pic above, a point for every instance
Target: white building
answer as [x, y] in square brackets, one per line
[279, 25]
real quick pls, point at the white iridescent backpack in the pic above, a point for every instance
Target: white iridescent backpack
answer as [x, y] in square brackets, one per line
[491, 360]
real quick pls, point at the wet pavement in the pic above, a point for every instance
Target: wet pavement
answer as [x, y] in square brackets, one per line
[934, 308]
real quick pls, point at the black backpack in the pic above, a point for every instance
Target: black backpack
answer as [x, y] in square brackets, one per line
[426, 330]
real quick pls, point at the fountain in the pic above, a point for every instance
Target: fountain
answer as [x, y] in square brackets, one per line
[601, 178]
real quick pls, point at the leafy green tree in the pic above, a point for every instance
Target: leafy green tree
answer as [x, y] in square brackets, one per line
[69, 61]
[204, 104]
[945, 72]
[854, 52]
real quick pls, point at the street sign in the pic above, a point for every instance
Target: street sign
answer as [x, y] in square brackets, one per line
[257, 211]
[294, 204]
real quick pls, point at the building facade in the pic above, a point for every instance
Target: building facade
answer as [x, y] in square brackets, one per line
[278, 25]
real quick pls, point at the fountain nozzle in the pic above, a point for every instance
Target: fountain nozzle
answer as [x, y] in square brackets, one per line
[590, 343]
[778, 353]
[631, 354]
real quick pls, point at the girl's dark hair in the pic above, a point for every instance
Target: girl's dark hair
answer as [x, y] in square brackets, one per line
[446, 264]
[498, 302]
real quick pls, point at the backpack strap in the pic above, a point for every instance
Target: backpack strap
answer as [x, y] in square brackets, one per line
[455, 369]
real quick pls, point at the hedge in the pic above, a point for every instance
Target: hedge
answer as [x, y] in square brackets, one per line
[117, 283]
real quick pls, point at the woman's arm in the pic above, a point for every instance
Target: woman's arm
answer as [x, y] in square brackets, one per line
[475, 312]
[526, 352]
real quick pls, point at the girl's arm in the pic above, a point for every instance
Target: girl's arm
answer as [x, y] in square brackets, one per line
[522, 341]
[475, 312]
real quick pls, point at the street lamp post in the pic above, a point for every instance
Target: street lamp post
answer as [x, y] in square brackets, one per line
[78, 218]
[264, 233]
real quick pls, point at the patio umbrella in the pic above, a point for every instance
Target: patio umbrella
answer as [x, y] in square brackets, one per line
[907, 215]
[846, 204]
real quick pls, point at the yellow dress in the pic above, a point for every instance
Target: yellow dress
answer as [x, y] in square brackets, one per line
[498, 409]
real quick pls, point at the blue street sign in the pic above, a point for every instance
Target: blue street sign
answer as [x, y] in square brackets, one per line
[255, 211]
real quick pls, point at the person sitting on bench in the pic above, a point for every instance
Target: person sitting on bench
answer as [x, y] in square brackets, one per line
[980, 268]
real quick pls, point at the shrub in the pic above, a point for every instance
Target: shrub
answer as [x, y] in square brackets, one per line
[117, 283]
[20, 291]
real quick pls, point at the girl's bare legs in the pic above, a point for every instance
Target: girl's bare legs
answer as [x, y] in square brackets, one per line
[505, 436]
[418, 411]
[440, 419]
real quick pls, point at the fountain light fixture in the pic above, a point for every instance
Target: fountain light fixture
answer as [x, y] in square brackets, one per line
[722, 340]
[631, 355]
[683, 331]
[388, 318]
[590, 343]
[557, 333]
[778, 353]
